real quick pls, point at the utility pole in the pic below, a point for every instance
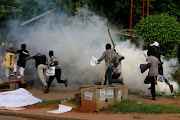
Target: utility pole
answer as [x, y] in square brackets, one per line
[133, 13]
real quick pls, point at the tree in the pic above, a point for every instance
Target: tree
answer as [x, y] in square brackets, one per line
[161, 28]
[33, 8]
[71, 6]
[9, 9]
[165, 6]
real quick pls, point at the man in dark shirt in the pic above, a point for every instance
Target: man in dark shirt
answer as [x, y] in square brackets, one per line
[41, 65]
[21, 63]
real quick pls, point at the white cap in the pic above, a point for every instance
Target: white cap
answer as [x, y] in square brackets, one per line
[155, 44]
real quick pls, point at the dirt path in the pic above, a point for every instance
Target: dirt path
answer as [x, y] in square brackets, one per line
[53, 94]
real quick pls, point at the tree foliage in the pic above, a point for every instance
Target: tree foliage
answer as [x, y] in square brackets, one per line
[118, 11]
[161, 28]
[165, 6]
[32, 8]
[9, 9]
[20, 9]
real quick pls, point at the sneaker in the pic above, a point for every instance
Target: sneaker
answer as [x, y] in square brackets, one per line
[65, 82]
[171, 88]
[14, 74]
[153, 98]
[46, 89]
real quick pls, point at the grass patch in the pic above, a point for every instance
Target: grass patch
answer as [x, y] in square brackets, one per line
[110, 85]
[43, 103]
[74, 101]
[71, 100]
[129, 106]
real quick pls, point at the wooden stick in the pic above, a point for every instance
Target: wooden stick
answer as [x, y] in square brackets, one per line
[5, 89]
[37, 17]
[15, 81]
[10, 81]
[111, 38]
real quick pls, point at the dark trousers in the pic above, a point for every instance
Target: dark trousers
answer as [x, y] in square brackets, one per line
[109, 76]
[58, 77]
[114, 76]
[153, 90]
[152, 81]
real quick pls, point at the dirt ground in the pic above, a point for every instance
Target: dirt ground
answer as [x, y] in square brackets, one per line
[76, 113]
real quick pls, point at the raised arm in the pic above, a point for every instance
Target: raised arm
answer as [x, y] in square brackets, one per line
[102, 57]
[11, 51]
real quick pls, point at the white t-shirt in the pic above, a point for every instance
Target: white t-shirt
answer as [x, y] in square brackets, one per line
[53, 59]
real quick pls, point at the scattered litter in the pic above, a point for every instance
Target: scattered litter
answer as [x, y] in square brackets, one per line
[93, 61]
[65, 102]
[50, 71]
[139, 103]
[62, 109]
[17, 98]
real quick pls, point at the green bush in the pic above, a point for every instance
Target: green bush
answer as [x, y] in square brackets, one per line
[161, 28]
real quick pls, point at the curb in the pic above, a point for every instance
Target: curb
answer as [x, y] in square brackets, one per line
[43, 117]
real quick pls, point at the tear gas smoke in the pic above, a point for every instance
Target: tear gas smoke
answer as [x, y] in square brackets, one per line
[75, 39]
[131, 72]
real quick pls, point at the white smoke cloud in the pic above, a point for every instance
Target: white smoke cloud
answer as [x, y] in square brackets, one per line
[131, 71]
[75, 39]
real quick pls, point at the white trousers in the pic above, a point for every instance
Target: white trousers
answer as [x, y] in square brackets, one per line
[8, 71]
[21, 69]
[41, 68]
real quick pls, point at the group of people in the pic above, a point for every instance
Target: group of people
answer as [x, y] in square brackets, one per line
[112, 62]
[154, 64]
[42, 64]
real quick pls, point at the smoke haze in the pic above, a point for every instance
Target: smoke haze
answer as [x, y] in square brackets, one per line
[75, 39]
